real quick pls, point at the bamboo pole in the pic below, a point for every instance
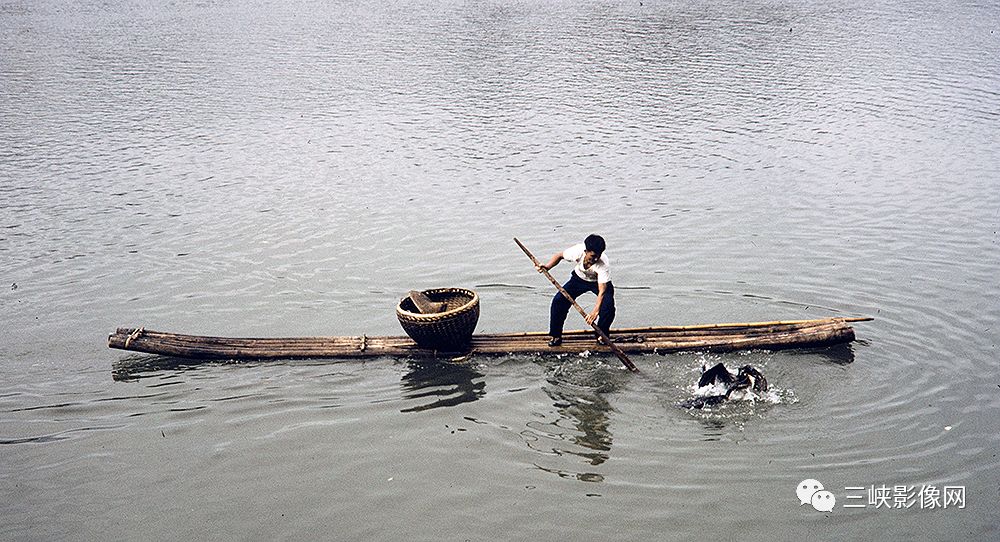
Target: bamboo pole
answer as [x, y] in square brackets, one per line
[621, 355]
[696, 327]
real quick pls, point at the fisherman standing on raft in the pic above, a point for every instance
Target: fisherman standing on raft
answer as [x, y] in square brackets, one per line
[591, 274]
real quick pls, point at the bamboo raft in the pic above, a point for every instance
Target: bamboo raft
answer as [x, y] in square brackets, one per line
[665, 339]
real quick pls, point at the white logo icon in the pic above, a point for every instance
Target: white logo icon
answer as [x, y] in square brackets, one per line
[806, 490]
[823, 501]
[811, 491]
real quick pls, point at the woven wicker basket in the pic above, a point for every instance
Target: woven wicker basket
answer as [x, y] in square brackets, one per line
[450, 330]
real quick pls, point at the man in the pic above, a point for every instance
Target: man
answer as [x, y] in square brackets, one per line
[591, 274]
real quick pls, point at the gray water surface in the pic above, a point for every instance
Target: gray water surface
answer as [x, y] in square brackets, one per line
[294, 168]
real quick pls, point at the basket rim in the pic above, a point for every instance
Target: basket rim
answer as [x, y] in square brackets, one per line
[451, 312]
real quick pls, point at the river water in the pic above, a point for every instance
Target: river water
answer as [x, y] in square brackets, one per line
[293, 168]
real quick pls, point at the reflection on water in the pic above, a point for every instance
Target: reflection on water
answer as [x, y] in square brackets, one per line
[712, 428]
[581, 476]
[449, 384]
[841, 354]
[137, 367]
[588, 414]
[579, 426]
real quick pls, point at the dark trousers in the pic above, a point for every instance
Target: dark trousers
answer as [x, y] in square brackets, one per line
[576, 287]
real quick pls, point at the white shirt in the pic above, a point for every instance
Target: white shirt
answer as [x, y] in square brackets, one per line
[600, 272]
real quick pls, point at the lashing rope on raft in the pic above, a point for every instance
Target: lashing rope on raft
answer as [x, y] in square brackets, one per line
[134, 335]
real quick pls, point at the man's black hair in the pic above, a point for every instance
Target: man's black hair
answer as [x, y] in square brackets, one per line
[595, 243]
